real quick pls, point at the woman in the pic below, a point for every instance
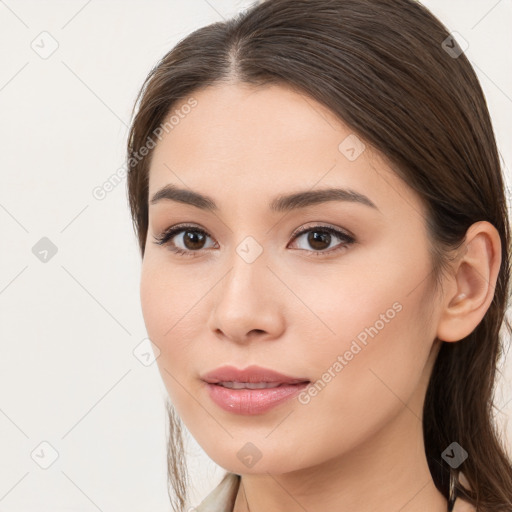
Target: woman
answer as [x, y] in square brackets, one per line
[319, 205]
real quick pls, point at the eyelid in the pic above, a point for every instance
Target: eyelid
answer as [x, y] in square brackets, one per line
[322, 226]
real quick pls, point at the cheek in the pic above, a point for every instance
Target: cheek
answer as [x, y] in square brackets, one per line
[175, 306]
[167, 294]
[378, 340]
[167, 301]
[363, 380]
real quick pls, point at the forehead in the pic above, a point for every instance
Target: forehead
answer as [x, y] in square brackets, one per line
[260, 141]
[239, 123]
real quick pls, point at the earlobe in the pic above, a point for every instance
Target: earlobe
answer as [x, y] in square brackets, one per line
[472, 283]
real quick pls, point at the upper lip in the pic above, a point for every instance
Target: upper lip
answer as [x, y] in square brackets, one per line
[252, 374]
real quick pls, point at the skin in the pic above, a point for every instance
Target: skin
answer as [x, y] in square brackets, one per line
[358, 444]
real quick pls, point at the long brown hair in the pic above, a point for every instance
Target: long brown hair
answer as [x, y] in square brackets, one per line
[390, 70]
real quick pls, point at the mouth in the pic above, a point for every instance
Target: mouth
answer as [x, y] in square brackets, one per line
[249, 398]
[253, 390]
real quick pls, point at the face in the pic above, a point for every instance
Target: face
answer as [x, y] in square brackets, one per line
[346, 303]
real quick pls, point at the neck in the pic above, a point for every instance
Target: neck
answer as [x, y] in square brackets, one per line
[388, 472]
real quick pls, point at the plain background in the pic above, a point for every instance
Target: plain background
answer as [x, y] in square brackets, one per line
[69, 326]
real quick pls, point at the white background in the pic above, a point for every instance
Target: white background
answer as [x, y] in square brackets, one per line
[68, 375]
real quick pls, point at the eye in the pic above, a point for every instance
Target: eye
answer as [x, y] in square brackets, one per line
[320, 238]
[193, 240]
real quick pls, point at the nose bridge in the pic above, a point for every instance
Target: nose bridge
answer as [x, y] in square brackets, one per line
[246, 300]
[246, 279]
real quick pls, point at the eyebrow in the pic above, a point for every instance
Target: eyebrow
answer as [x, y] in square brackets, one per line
[282, 203]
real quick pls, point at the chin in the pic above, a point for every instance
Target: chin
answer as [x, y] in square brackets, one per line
[242, 463]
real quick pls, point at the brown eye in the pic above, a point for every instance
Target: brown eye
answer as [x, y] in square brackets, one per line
[193, 240]
[319, 239]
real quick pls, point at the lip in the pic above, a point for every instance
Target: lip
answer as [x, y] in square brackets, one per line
[251, 401]
[252, 374]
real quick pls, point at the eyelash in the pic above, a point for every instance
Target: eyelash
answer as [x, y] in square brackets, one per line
[165, 237]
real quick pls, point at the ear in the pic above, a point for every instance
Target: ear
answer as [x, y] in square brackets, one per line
[471, 287]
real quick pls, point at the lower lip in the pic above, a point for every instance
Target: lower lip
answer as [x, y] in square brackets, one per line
[252, 401]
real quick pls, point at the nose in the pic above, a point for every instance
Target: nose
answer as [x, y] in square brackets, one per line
[248, 302]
